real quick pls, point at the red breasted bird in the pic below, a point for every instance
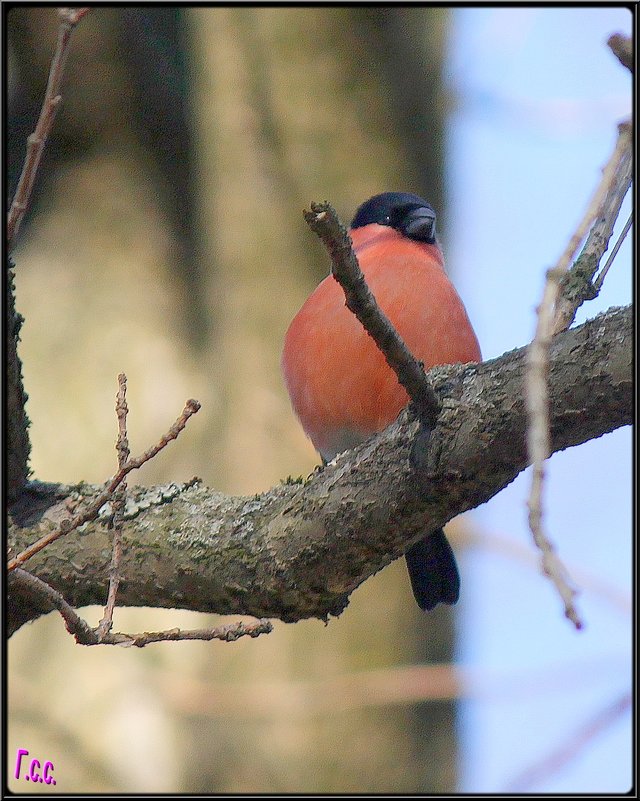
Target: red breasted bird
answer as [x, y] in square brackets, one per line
[340, 385]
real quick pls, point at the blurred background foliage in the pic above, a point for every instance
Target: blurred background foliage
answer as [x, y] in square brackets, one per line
[166, 240]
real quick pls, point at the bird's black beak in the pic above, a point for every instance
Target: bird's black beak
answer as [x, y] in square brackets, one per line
[420, 224]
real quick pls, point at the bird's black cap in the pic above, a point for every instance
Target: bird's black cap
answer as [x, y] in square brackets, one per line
[407, 213]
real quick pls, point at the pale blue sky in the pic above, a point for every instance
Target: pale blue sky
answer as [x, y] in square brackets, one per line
[539, 95]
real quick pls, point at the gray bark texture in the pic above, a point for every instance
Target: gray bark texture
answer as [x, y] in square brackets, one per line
[18, 445]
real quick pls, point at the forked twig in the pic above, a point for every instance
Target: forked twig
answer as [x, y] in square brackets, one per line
[552, 317]
[577, 284]
[101, 634]
[86, 635]
[69, 524]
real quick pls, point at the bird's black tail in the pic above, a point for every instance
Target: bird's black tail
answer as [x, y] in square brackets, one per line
[433, 571]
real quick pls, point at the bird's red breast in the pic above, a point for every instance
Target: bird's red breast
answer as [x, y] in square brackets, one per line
[340, 385]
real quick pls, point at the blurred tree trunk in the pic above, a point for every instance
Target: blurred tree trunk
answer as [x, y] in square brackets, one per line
[129, 73]
[411, 44]
[294, 105]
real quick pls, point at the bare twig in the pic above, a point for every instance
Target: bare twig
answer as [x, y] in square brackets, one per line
[101, 634]
[575, 746]
[86, 635]
[323, 221]
[69, 18]
[230, 632]
[538, 443]
[69, 524]
[74, 623]
[597, 284]
[122, 443]
[122, 448]
[576, 285]
[536, 390]
[622, 47]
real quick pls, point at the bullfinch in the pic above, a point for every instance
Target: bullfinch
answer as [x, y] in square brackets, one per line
[341, 387]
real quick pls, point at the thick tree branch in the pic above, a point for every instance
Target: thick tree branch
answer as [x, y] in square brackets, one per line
[299, 550]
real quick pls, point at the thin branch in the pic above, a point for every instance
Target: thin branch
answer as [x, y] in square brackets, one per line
[122, 448]
[230, 632]
[86, 635]
[576, 285]
[597, 284]
[74, 623]
[323, 221]
[69, 524]
[575, 745]
[539, 449]
[622, 47]
[191, 407]
[536, 377]
[69, 18]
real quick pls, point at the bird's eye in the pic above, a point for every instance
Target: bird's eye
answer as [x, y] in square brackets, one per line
[387, 220]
